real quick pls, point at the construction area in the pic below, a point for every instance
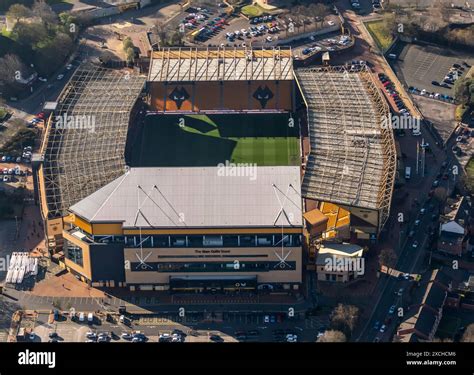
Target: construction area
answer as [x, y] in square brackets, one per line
[84, 145]
[352, 162]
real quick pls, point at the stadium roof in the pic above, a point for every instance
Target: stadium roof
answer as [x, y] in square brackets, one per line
[85, 155]
[197, 197]
[190, 64]
[353, 159]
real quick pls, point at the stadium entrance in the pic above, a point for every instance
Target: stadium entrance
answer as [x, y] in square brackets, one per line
[213, 284]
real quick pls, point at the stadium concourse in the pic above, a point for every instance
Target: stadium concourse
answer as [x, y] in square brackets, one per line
[177, 218]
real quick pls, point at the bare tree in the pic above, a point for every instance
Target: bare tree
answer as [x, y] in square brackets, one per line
[11, 69]
[388, 258]
[44, 11]
[333, 336]
[162, 32]
[468, 335]
[18, 12]
[344, 318]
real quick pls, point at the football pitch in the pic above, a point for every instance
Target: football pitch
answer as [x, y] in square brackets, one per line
[207, 140]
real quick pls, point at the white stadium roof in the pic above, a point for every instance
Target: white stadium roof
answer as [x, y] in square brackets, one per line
[197, 197]
[220, 64]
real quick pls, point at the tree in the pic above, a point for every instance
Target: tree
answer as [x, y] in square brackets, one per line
[52, 52]
[42, 10]
[161, 32]
[468, 335]
[344, 318]
[464, 90]
[70, 24]
[333, 336]
[177, 39]
[18, 12]
[129, 49]
[387, 257]
[320, 11]
[29, 33]
[11, 70]
[127, 43]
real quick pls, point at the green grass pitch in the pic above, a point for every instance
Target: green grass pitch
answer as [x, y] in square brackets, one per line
[207, 140]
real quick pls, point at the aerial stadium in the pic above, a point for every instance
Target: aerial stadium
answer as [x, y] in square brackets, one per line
[211, 172]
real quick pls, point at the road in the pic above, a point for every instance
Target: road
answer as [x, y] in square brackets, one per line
[410, 259]
[407, 200]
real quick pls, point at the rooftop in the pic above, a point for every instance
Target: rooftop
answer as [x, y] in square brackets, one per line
[353, 159]
[338, 250]
[187, 64]
[197, 197]
[82, 156]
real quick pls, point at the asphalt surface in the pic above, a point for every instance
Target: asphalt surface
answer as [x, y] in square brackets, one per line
[410, 259]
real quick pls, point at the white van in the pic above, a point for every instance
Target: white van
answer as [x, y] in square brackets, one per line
[90, 317]
[81, 317]
[392, 56]
[407, 173]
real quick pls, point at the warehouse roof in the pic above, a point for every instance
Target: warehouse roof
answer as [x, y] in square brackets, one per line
[192, 64]
[197, 197]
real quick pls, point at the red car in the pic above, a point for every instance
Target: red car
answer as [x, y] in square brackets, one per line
[40, 115]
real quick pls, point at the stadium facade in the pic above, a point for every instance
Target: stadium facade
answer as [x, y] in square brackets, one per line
[190, 228]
